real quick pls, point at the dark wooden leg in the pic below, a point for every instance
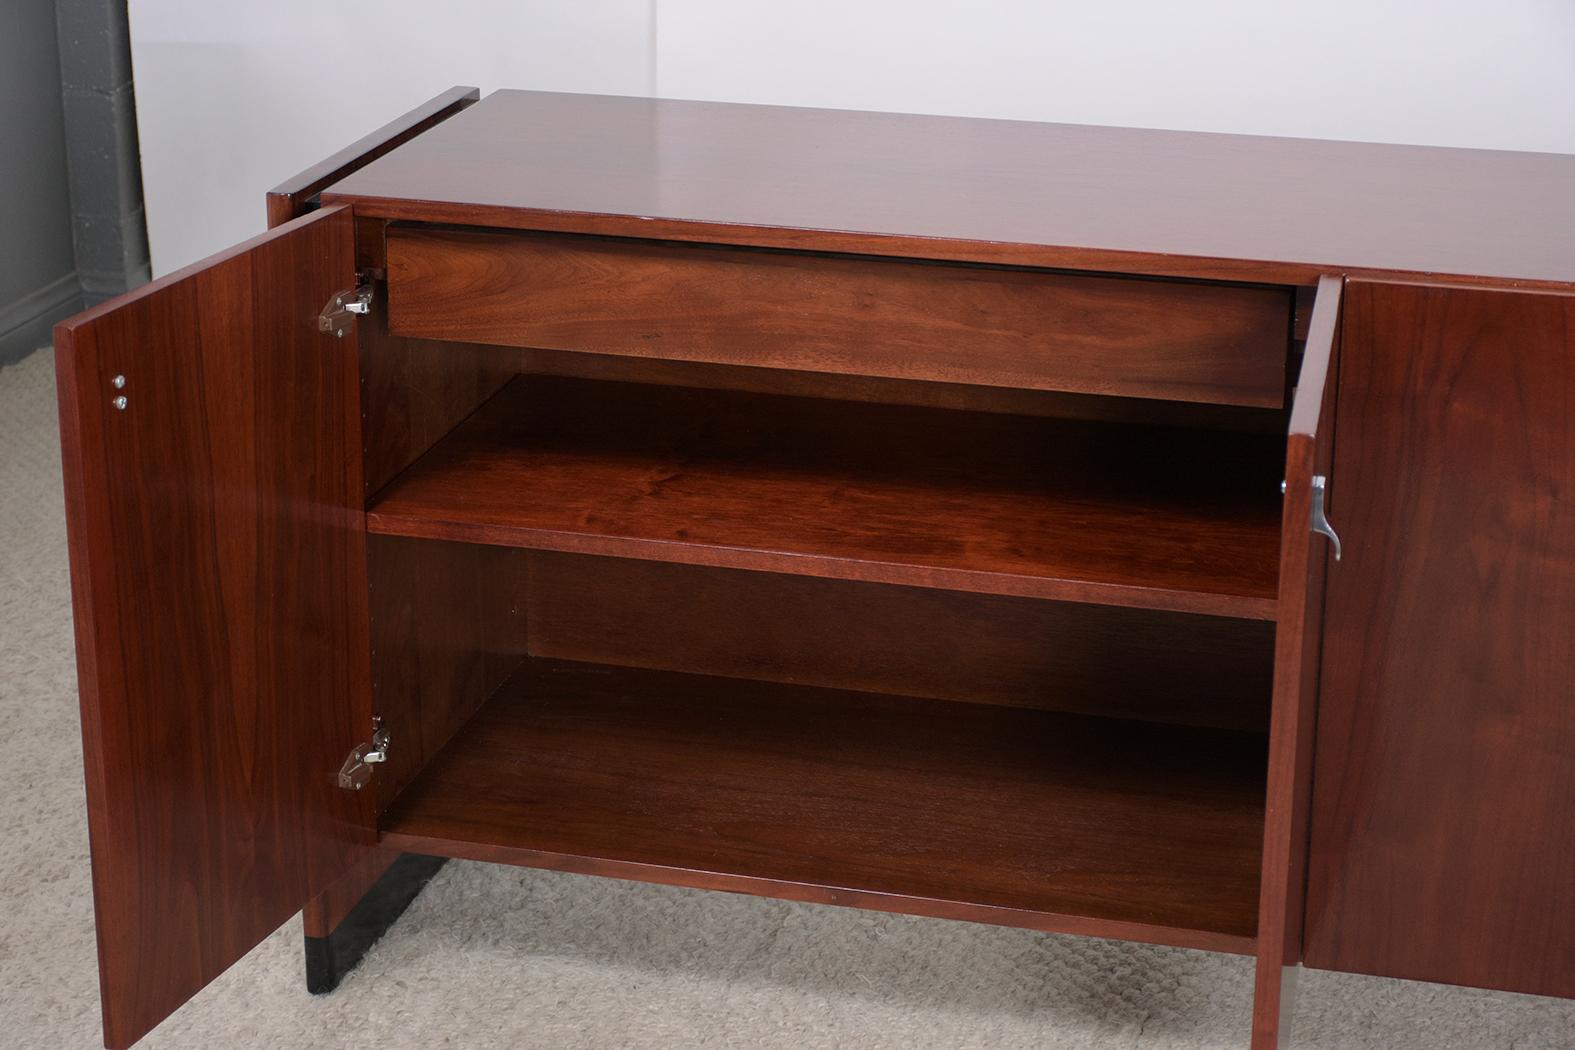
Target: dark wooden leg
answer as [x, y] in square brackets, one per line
[340, 928]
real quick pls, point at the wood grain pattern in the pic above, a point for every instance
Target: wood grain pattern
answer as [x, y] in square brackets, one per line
[370, 259]
[293, 197]
[1443, 847]
[217, 561]
[991, 326]
[845, 572]
[1229, 207]
[1164, 519]
[970, 811]
[882, 390]
[448, 627]
[414, 391]
[1297, 650]
[910, 641]
[321, 915]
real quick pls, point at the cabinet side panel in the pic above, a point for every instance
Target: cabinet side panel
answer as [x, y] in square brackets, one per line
[414, 391]
[1443, 845]
[448, 627]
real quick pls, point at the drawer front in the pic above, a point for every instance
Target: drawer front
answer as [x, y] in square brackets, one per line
[993, 326]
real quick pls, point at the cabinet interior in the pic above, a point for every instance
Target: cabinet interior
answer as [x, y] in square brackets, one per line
[953, 650]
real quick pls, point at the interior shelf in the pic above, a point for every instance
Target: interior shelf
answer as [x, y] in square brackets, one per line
[1018, 816]
[1168, 519]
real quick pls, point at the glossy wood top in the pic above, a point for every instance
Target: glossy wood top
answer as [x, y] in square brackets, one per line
[291, 197]
[1145, 201]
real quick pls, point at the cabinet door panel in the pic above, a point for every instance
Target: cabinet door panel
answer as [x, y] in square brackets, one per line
[1443, 834]
[1297, 640]
[218, 577]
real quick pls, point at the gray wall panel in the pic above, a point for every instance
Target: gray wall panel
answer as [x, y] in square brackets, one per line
[38, 280]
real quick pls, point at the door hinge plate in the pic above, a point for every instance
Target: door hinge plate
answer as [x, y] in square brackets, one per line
[339, 314]
[356, 772]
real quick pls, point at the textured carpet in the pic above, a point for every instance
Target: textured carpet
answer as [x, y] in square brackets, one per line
[503, 957]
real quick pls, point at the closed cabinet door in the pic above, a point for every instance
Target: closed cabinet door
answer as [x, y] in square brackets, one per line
[211, 437]
[1443, 820]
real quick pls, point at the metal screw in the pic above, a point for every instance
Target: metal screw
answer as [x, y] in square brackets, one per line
[119, 382]
[120, 402]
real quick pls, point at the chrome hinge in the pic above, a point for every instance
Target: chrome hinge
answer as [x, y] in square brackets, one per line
[356, 773]
[336, 316]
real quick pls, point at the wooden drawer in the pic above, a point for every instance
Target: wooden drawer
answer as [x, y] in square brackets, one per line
[994, 326]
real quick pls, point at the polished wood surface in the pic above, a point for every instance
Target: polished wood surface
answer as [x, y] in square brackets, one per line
[448, 627]
[886, 391]
[1443, 843]
[369, 248]
[414, 391]
[218, 568]
[971, 811]
[1163, 519]
[990, 326]
[887, 512]
[321, 915]
[1297, 651]
[293, 197]
[1088, 198]
[911, 641]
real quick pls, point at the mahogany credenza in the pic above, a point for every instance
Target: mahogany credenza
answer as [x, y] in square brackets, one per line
[1137, 534]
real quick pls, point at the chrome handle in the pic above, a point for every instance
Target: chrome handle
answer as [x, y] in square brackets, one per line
[1320, 520]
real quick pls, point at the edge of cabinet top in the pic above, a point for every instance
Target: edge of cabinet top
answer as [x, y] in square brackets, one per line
[1000, 191]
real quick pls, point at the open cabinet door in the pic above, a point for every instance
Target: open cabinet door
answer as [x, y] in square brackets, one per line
[1443, 821]
[1298, 640]
[212, 454]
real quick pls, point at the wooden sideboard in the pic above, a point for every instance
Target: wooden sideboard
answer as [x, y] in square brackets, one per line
[897, 512]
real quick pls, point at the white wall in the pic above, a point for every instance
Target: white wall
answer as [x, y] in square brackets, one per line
[234, 95]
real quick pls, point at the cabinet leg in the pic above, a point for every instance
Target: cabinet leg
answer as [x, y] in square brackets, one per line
[1273, 1002]
[335, 943]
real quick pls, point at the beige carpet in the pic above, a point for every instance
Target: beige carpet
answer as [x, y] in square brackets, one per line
[503, 957]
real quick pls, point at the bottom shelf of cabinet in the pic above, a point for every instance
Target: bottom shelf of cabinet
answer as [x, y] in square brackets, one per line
[1029, 818]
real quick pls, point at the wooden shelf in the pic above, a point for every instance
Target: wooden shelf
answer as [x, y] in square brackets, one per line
[1020, 817]
[1169, 519]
